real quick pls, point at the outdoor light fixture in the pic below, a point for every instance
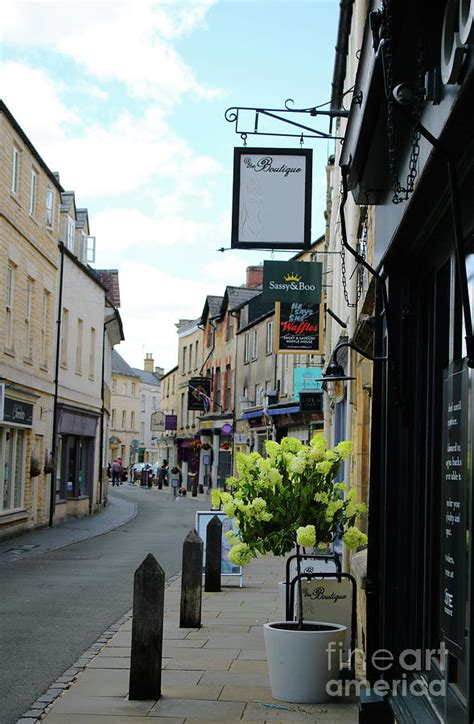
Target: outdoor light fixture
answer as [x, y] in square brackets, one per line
[334, 376]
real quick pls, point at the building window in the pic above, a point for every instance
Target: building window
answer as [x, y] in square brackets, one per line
[182, 410]
[184, 360]
[217, 393]
[44, 329]
[228, 388]
[254, 344]
[190, 358]
[196, 355]
[269, 337]
[114, 418]
[246, 348]
[258, 394]
[33, 192]
[92, 354]
[132, 420]
[15, 170]
[124, 419]
[64, 337]
[9, 308]
[71, 233]
[153, 402]
[143, 403]
[28, 326]
[229, 325]
[49, 208]
[114, 385]
[133, 389]
[142, 432]
[12, 464]
[284, 373]
[79, 345]
[211, 332]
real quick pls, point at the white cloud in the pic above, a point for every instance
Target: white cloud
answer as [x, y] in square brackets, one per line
[127, 42]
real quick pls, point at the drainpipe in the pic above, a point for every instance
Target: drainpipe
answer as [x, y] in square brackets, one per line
[54, 442]
[234, 412]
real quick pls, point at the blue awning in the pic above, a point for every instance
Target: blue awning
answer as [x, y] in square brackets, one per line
[283, 410]
[252, 413]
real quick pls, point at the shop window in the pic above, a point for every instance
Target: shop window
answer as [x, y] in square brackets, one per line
[12, 467]
[77, 452]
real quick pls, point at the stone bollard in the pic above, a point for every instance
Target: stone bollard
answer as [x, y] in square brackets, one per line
[147, 631]
[191, 582]
[213, 555]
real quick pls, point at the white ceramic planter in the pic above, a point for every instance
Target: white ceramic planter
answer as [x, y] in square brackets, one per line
[301, 663]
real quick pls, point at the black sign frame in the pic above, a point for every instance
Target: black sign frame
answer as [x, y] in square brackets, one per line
[17, 412]
[312, 342]
[199, 393]
[236, 243]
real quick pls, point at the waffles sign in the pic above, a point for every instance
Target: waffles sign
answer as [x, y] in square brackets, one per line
[292, 281]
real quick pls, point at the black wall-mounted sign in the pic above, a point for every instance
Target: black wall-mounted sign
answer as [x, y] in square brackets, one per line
[292, 281]
[272, 198]
[311, 401]
[20, 413]
[199, 393]
[453, 505]
[298, 328]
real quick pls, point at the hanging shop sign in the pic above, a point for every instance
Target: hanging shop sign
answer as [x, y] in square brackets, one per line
[292, 281]
[199, 393]
[306, 378]
[272, 198]
[311, 401]
[171, 422]
[455, 481]
[157, 422]
[298, 328]
[17, 412]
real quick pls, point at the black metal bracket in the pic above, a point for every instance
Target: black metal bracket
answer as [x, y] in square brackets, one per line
[359, 350]
[232, 116]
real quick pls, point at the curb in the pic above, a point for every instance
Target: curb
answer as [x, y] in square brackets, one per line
[45, 702]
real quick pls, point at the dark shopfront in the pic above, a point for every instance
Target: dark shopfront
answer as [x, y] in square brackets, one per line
[76, 458]
[420, 611]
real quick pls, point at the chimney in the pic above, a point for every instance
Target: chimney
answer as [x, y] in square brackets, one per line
[254, 277]
[149, 362]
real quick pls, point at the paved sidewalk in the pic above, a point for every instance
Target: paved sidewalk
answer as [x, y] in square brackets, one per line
[117, 512]
[215, 673]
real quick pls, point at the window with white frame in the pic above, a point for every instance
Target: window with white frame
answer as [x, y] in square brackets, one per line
[33, 192]
[92, 354]
[133, 389]
[254, 344]
[9, 307]
[124, 419]
[12, 468]
[44, 329]
[246, 348]
[15, 170]
[64, 337]
[143, 403]
[132, 420]
[90, 249]
[49, 207]
[79, 346]
[269, 337]
[28, 325]
[71, 233]
[113, 419]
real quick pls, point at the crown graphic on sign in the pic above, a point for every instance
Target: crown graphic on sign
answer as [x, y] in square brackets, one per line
[292, 278]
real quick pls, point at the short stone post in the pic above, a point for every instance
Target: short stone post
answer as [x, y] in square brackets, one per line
[147, 631]
[191, 581]
[213, 555]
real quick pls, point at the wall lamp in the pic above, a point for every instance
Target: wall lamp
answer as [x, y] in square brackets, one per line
[334, 376]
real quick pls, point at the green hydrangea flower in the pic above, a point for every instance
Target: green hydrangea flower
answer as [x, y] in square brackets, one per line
[229, 509]
[216, 498]
[353, 537]
[240, 554]
[272, 448]
[332, 508]
[232, 538]
[306, 536]
[324, 467]
[344, 448]
[291, 444]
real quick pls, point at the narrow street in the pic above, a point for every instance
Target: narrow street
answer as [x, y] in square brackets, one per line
[55, 605]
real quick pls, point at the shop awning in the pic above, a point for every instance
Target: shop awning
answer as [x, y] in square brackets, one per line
[252, 413]
[283, 410]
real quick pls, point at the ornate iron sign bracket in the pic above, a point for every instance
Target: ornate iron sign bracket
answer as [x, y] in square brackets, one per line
[232, 115]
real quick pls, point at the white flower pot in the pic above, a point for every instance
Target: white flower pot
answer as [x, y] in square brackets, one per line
[301, 663]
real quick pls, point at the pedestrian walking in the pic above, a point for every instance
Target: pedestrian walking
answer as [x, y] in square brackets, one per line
[116, 469]
[163, 475]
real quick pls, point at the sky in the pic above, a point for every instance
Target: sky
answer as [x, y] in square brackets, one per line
[126, 100]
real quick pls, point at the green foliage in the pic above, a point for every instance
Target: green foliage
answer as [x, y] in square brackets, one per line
[291, 489]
